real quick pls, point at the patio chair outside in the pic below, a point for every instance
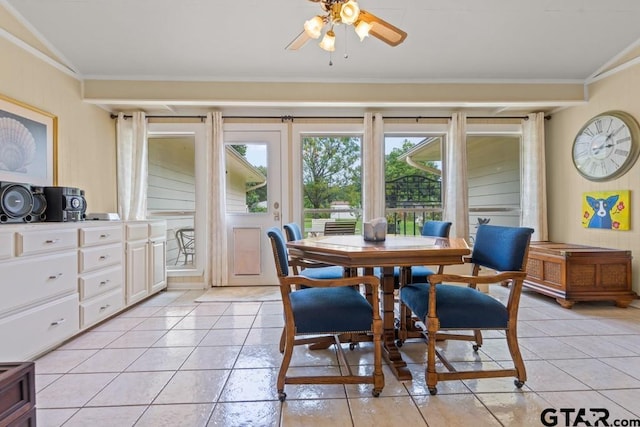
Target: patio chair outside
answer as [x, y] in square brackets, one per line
[186, 244]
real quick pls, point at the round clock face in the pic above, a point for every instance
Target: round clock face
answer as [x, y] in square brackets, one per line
[606, 146]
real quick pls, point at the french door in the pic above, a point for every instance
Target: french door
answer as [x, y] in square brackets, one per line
[254, 199]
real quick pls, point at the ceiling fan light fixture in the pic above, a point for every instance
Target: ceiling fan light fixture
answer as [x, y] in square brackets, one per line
[349, 12]
[362, 29]
[313, 27]
[328, 42]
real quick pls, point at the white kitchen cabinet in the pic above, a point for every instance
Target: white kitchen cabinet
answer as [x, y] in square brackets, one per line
[145, 258]
[59, 279]
[38, 289]
[100, 273]
[157, 256]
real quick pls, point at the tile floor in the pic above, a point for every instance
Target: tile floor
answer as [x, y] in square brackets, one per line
[172, 362]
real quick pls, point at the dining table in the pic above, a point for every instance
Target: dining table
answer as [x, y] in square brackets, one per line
[355, 253]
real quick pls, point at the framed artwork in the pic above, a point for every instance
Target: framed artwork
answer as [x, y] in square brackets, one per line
[28, 144]
[606, 209]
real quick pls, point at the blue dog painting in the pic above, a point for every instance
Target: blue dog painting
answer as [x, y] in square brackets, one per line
[602, 211]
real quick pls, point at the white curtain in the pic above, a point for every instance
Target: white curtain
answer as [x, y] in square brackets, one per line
[455, 199]
[217, 206]
[132, 164]
[373, 167]
[533, 196]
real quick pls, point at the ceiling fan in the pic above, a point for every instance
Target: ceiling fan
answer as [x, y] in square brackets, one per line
[349, 13]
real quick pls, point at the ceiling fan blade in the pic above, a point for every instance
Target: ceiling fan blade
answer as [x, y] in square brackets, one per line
[383, 30]
[299, 41]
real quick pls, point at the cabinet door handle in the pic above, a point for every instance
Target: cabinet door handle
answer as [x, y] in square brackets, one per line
[58, 322]
[104, 236]
[104, 307]
[55, 276]
[51, 241]
[104, 282]
[103, 257]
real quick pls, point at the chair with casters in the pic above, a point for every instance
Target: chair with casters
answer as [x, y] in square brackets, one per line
[186, 244]
[310, 269]
[447, 310]
[326, 311]
[419, 273]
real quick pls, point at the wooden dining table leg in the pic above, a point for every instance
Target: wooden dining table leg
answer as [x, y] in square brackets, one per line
[390, 351]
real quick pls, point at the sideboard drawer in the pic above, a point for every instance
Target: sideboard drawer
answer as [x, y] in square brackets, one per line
[27, 334]
[137, 231]
[35, 242]
[101, 307]
[100, 282]
[100, 256]
[6, 245]
[91, 236]
[25, 282]
[17, 393]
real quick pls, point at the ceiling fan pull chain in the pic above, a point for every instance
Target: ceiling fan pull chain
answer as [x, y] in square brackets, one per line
[346, 50]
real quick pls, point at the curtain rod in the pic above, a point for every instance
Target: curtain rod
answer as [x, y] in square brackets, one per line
[292, 118]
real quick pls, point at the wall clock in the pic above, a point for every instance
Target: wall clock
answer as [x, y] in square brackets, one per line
[607, 146]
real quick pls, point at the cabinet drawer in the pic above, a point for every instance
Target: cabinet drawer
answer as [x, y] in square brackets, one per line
[91, 236]
[100, 256]
[6, 245]
[100, 282]
[101, 307]
[137, 231]
[26, 281]
[28, 334]
[158, 230]
[35, 242]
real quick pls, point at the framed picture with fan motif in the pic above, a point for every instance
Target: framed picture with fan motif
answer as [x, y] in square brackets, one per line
[28, 144]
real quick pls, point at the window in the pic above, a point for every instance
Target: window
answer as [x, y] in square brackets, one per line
[413, 182]
[331, 180]
[493, 173]
[175, 192]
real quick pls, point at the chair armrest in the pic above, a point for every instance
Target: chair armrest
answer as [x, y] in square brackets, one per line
[484, 279]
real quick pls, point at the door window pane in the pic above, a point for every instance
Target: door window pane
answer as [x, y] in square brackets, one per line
[246, 184]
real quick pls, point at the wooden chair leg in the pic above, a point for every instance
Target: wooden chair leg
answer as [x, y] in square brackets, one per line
[282, 339]
[478, 339]
[284, 366]
[518, 363]
[431, 373]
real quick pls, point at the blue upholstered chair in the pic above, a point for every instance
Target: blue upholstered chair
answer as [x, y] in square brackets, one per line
[453, 307]
[328, 311]
[312, 270]
[419, 273]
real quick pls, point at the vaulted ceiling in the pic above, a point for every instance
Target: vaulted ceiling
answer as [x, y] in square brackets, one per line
[498, 41]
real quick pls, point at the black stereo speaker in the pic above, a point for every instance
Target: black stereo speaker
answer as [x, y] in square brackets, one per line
[64, 204]
[16, 202]
[38, 213]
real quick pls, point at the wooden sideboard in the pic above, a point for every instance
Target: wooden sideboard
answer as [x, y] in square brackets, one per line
[17, 394]
[570, 273]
